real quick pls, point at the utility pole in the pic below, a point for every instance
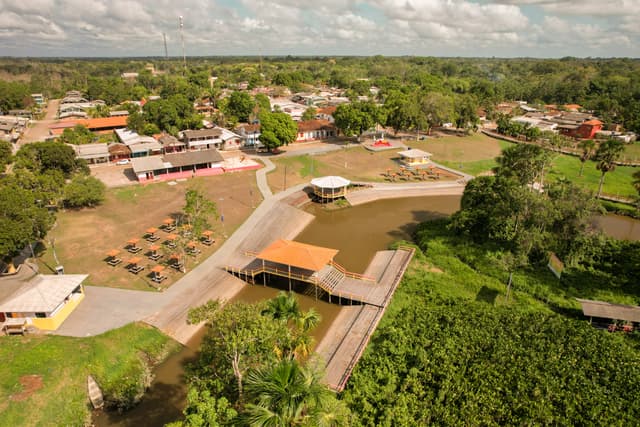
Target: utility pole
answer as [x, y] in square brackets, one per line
[166, 52]
[184, 57]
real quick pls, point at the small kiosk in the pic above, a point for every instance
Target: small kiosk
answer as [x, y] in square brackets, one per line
[329, 188]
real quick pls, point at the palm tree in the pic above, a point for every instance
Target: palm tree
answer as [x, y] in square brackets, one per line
[588, 147]
[288, 394]
[636, 180]
[285, 307]
[606, 155]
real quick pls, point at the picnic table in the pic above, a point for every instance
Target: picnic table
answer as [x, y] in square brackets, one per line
[153, 253]
[168, 224]
[206, 238]
[132, 265]
[150, 234]
[176, 262]
[157, 275]
[132, 246]
[171, 240]
[112, 257]
[192, 249]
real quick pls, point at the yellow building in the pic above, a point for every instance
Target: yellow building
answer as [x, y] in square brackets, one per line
[45, 301]
[414, 157]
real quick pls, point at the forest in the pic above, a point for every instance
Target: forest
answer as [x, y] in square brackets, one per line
[608, 87]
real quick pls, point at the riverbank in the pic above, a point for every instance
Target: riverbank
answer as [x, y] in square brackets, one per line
[43, 379]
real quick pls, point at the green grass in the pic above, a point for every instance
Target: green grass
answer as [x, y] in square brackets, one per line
[619, 182]
[631, 152]
[114, 359]
[472, 168]
[453, 268]
[130, 193]
[305, 165]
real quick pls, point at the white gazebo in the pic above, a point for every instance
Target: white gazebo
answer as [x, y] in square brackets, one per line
[330, 187]
[414, 157]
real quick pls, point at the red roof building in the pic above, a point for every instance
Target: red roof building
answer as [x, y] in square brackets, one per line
[311, 130]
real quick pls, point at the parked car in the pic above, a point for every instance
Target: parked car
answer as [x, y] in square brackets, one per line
[123, 162]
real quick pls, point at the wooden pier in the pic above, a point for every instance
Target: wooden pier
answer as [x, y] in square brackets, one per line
[350, 332]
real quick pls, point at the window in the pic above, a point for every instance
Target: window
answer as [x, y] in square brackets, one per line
[41, 315]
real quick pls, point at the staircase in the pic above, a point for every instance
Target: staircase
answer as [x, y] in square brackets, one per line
[330, 277]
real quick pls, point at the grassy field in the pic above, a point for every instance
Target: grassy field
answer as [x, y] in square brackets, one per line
[631, 152]
[616, 183]
[473, 154]
[83, 237]
[54, 370]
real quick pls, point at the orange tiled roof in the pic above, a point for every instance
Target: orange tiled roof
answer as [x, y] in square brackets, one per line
[594, 122]
[327, 110]
[296, 254]
[573, 107]
[104, 122]
[308, 125]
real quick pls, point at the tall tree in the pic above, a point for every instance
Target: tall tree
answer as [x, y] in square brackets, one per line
[606, 156]
[587, 147]
[522, 161]
[240, 105]
[277, 129]
[6, 156]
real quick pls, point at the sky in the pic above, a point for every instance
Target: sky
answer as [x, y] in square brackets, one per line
[475, 28]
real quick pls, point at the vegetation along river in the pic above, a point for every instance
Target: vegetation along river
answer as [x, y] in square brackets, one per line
[358, 232]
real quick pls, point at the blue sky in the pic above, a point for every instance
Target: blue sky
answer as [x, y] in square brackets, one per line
[503, 28]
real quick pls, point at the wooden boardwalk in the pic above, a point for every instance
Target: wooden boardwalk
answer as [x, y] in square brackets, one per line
[348, 336]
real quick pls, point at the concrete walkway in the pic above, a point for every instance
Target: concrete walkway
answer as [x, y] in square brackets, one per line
[106, 308]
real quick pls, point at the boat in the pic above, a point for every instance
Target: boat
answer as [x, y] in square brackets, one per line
[95, 394]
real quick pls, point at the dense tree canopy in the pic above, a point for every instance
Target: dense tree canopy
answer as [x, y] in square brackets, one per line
[277, 129]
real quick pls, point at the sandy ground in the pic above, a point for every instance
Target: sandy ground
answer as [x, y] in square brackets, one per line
[40, 128]
[83, 237]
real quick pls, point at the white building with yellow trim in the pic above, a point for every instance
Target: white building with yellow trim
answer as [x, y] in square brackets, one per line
[45, 301]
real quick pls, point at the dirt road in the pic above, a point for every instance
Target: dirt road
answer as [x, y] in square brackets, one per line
[39, 130]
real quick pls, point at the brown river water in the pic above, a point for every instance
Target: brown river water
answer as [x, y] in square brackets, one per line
[358, 233]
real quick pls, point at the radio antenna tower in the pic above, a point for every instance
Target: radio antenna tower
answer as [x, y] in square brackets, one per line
[184, 58]
[166, 52]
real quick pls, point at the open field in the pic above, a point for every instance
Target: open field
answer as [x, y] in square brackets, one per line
[43, 379]
[631, 152]
[619, 182]
[472, 154]
[83, 237]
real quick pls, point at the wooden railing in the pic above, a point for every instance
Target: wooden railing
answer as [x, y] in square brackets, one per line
[313, 279]
[358, 276]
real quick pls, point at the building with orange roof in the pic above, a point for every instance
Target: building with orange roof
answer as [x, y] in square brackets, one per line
[312, 130]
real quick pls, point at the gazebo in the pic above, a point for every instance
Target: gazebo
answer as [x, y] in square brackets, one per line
[299, 259]
[330, 187]
[415, 158]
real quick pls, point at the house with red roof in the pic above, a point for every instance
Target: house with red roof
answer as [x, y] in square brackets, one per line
[312, 130]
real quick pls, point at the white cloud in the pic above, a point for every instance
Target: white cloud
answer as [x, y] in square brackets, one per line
[213, 27]
[593, 8]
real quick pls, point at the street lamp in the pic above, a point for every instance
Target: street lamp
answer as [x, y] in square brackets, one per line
[224, 231]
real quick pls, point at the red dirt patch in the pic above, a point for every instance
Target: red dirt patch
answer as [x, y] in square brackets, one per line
[30, 384]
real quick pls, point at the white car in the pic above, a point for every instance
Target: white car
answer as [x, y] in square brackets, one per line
[123, 162]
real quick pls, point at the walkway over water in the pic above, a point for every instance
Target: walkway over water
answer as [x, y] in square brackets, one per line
[349, 334]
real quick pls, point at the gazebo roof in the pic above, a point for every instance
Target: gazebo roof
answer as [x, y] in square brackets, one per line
[414, 153]
[330, 182]
[297, 254]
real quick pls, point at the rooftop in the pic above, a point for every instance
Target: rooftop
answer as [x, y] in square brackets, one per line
[609, 310]
[42, 294]
[296, 254]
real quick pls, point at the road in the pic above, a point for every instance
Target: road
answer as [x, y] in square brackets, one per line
[39, 131]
